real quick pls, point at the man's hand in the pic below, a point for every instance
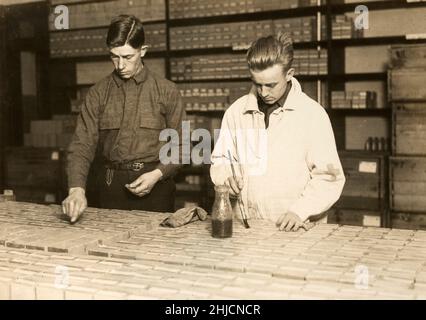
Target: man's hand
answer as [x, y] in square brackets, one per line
[235, 186]
[291, 222]
[74, 205]
[144, 184]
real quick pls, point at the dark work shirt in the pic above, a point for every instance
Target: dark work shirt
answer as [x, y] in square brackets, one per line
[124, 118]
[267, 109]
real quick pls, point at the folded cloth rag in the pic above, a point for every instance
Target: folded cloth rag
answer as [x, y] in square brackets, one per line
[184, 216]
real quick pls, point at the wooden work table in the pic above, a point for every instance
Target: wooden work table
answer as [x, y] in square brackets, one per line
[112, 254]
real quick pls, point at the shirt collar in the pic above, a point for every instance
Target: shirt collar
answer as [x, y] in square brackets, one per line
[141, 76]
[289, 104]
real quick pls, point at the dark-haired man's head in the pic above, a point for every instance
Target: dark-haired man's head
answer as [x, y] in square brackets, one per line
[126, 43]
[270, 64]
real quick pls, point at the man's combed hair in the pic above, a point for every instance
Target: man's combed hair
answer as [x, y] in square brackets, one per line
[125, 29]
[268, 51]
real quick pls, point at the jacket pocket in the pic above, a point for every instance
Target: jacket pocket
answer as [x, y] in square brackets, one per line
[150, 121]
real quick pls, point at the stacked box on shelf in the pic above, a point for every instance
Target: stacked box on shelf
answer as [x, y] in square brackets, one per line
[409, 128]
[35, 174]
[343, 28]
[223, 66]
[363, 197]
[303, 29]
[408, 191]
[232, 66]
[407, 94]
[51, 133]
[407, 84]
[408, 56]
[92, 42]
[99, 14]
[240, 35]
[218, 35]
[211, 96]
[204, 8]
[310, 62]
[353, 99]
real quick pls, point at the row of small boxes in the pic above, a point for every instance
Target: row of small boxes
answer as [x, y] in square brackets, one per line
[353, 99]
[57, 132]
[204, 122]
[99, 14]
[204, 8]
[222, 66]
[92, 42]
[241, 34]
[231, 66]
[310, 62]
[211, 96]
[343, 28]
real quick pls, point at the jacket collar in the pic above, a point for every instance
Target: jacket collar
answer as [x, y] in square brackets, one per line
[141, 76]
[290, 103]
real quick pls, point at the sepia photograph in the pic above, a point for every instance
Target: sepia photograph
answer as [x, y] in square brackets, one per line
[213, 155]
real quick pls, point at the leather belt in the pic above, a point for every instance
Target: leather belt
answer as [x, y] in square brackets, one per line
[133, 166]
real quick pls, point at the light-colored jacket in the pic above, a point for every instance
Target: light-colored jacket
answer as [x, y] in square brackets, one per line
[292, 166]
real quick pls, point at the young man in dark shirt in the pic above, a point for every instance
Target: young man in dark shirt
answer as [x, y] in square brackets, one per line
[122, 117]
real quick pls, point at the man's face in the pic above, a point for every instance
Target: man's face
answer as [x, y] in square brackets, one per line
[271, 83]
[127, 60]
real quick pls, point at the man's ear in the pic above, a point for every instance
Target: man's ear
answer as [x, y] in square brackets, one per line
[144, 49]
[289, 74]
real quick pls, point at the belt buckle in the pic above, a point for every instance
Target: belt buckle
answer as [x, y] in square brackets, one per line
[137, 166]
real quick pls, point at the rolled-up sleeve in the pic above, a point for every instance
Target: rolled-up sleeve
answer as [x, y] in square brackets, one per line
[175, 114]
[327, 177]
[82, 148]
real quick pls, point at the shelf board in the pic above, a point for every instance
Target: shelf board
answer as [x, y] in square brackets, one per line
[230, 50]
[105, 57]
[363, 152]
[372, 41]
[322, 77]
[376, 76]
[376, 5]
[382, 112]
[249, 16]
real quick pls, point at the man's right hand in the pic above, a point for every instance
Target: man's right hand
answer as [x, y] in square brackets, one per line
[74, 205]
[235, 186]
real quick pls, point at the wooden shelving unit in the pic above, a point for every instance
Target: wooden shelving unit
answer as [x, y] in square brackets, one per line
[335, 78]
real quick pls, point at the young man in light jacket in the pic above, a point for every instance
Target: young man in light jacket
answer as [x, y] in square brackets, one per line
[281, 143]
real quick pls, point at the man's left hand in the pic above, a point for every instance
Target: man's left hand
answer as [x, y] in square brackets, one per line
[290, 222]
[144, 184]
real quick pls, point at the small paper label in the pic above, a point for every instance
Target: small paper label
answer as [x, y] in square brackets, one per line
[55, 155]
[371, 221]
[367, 167]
